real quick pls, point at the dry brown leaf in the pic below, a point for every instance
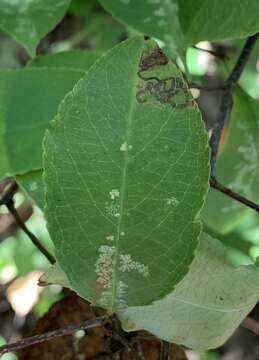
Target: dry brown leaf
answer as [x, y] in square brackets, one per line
[97, 344]
[72, 310]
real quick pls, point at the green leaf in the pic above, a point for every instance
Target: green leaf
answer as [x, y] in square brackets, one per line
[102, 31]
[29, 99]
[237, 166]
[31, 183]
[8, 57]
[235, 241]
[158, 19]
[81, 60]
[29, 21]
[82, 7]
[74, 59]
[184, 22]
[54, 275]
[217, 20]
[126, 170]
[206, 307]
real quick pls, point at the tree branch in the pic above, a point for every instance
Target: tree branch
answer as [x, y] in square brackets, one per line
[194, 85]
[217, 54]
[8, 191]
[165, 351]
[8, 225]
[251, 325]
[34, 239]
[37, 339]
[218, 186]
[7, 200]
[226, 100]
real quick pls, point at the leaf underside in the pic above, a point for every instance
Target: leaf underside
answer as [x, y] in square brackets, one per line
[206, 307]
[126, 173]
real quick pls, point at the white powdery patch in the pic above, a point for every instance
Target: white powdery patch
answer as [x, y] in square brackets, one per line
[121, 292]
[127, 264]
[160, 11]
[125, 147]
[172, 201]
[113, 209]
[162, 22]
[110, 238]
[33, 186]
[104, 266]
[119, 300]
[114, 193]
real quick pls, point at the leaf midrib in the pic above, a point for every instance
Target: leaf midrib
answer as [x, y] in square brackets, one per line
[211, 308]
[123, 189]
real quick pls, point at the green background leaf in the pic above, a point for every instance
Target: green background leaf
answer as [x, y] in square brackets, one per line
[29, 21]
[206, 307]
[102, 31]
[185, 22]
[55, 275]
[126, 160]
[218, 20]
[154, 18]
[73, 59]
[237, 166]
[31, 182]
[29, 99]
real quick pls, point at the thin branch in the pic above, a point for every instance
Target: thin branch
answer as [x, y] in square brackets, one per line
[217, 54]
[8, 225]
[218, 186]
[194, 85]
[126, 344]
[226, 100]
[37, 339]
[165, 353]
[7, 200]
[33, 238]
[119, 336]
[9, 191]
[251, 325]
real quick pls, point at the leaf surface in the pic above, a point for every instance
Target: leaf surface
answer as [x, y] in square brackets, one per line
[54, 275]
[73, 59]
[31, 182]
[206, 307]
[126, 171]
[158, 19]
[28, 21]
[187, 22]
[218, 20]
[29, 99]
[237, 166]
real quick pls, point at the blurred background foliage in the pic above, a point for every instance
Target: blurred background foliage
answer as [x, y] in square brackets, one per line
[88, 26]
